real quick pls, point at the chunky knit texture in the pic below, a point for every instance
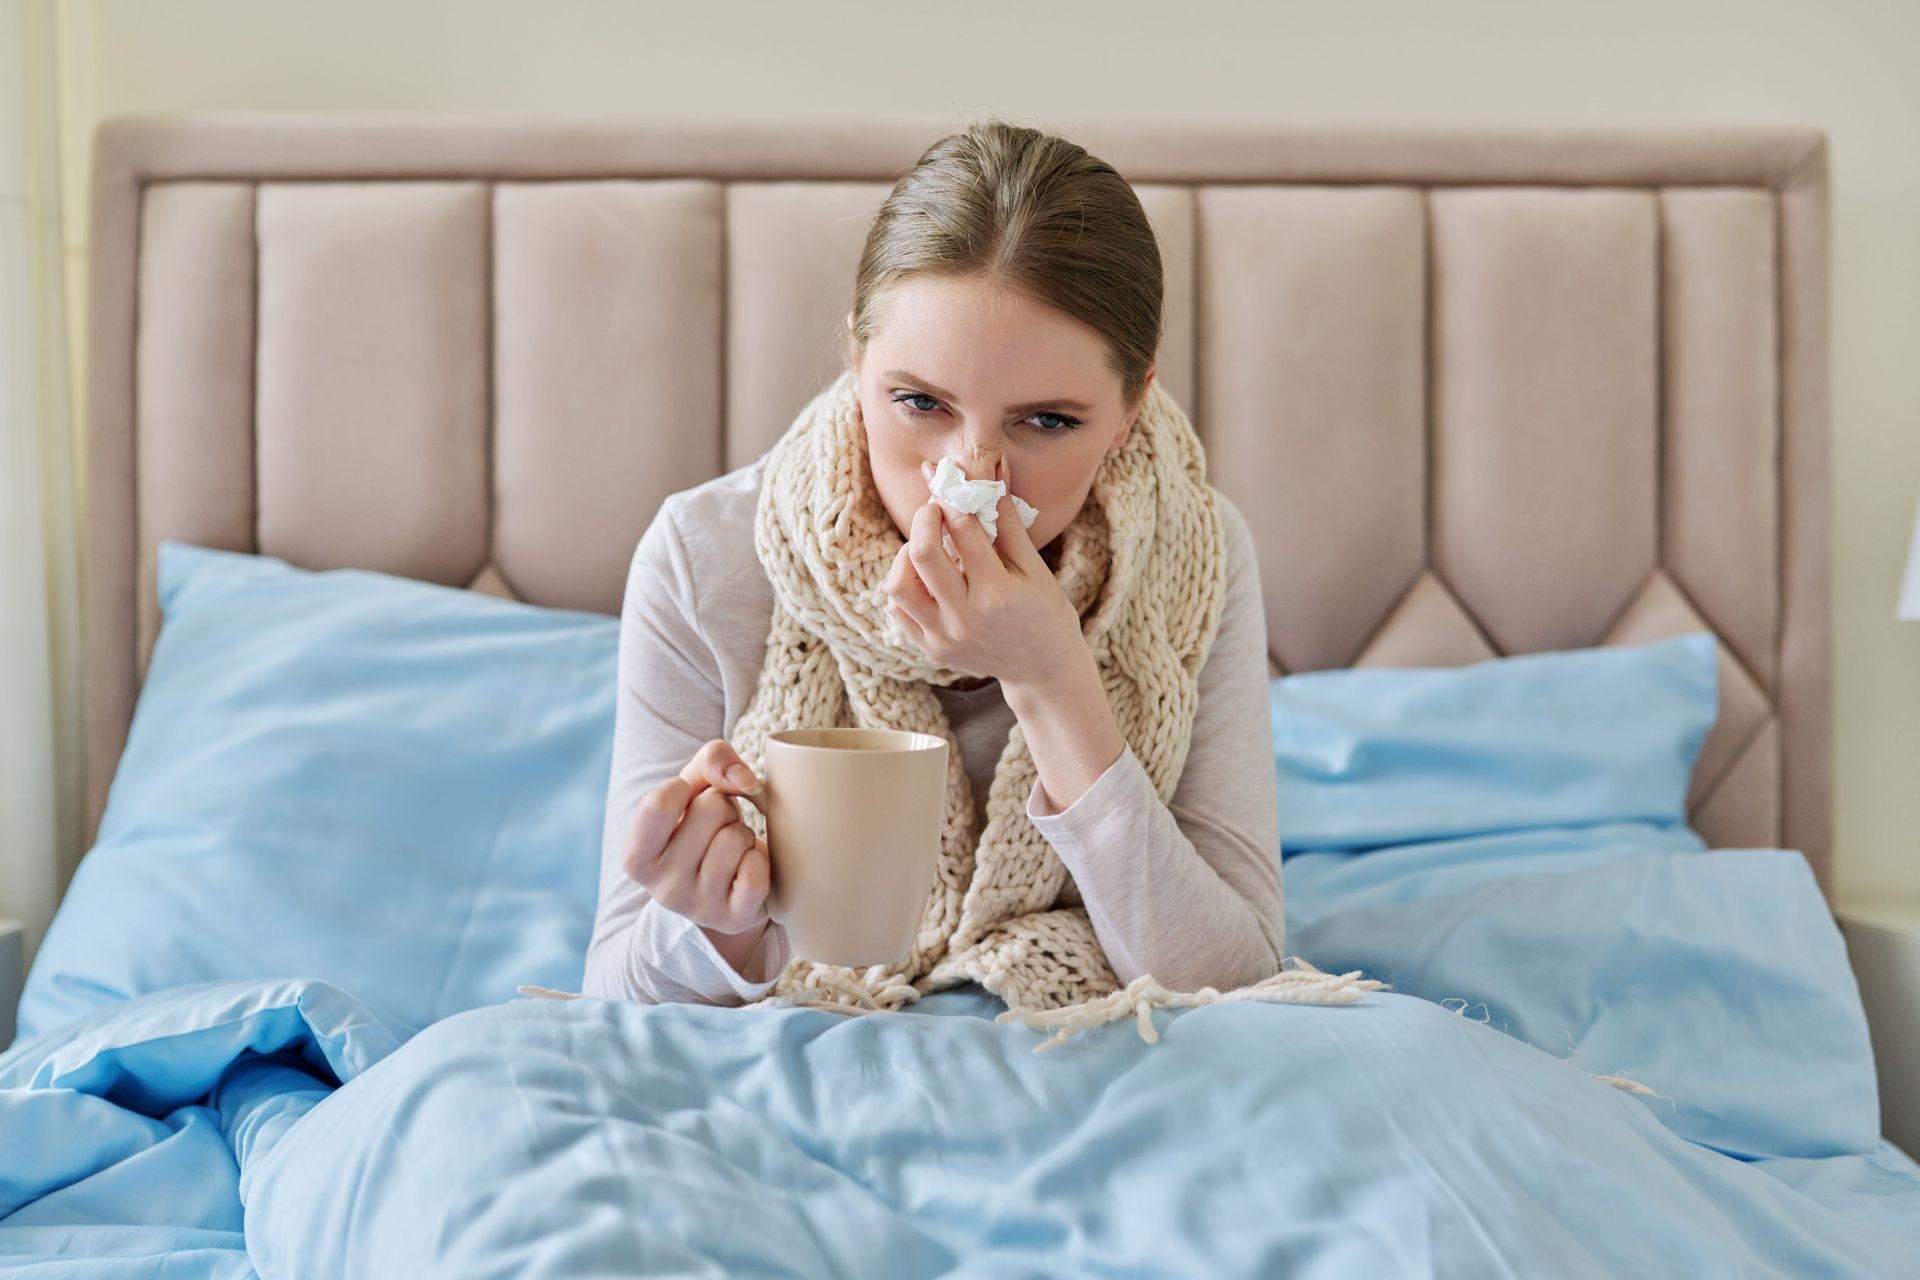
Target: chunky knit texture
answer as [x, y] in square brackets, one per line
[1143, 564]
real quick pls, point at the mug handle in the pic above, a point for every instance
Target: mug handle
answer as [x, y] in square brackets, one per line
[759, 801]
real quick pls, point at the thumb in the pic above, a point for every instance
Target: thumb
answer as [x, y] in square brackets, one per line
[718, 765]
[1012, 538]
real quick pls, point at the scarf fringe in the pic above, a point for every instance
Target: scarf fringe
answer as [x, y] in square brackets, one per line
[1298, 982]
[1460, 1007]
[826, 987]
[1627, 1084]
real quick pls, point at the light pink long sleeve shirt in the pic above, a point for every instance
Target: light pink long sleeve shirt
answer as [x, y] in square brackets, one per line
[1188, 890]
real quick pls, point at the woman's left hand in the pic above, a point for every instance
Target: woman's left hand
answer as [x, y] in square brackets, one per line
[999, 612]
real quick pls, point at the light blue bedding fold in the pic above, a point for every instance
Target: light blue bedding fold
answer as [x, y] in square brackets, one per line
[118, 1133]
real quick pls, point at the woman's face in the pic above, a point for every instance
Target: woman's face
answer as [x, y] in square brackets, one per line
[957, 368]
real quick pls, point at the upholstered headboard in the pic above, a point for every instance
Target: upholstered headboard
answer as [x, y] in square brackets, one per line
[1478, 392]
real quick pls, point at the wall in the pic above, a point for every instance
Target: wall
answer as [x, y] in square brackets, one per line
[1845, 67]
[40, 804]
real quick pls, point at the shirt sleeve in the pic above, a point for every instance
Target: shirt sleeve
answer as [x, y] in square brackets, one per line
[1189, 890]
[669, 704]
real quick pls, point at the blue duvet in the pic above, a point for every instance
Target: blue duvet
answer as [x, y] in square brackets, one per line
[1453, 1125]
[272, 1032]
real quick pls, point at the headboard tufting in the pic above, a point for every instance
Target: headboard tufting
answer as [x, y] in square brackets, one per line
[1477, 391]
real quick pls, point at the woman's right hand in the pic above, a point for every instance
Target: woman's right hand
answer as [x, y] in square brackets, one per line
[694, 853]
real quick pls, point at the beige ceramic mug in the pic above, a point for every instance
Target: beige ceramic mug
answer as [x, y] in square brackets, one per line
[853, 828]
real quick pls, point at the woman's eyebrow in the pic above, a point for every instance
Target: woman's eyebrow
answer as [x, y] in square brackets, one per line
[903, 376]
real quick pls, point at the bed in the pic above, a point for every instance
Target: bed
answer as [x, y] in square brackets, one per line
[379, 408]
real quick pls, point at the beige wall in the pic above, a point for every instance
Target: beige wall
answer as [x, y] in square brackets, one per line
[1846, 67]
[41, 810]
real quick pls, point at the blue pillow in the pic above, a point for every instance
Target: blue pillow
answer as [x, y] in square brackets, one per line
[1716, 978]
[1381, 756]
[386, 784]
[1542, 878]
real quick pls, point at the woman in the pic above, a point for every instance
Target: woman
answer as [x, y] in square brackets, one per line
[1102, 674]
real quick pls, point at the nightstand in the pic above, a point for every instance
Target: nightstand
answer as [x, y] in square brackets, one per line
[13, 973]
[1883, 941]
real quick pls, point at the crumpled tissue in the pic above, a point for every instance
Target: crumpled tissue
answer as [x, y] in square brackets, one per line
[978, 498]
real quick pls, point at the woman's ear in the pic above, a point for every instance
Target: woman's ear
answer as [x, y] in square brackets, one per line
[853, 352]
[1139, 403]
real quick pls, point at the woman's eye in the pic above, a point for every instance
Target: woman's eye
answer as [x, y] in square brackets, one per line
[1053, 424]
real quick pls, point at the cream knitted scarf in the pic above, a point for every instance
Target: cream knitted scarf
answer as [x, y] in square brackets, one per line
[1144, 565]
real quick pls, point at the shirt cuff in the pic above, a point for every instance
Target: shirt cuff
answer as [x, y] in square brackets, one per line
[1080, 820]
[769, 957]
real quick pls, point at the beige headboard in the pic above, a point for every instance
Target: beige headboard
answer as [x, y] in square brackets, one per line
[1478, 392]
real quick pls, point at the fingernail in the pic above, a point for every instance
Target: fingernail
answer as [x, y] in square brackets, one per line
[742, 777]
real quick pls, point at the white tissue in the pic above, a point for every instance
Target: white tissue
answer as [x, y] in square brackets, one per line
[978, 498]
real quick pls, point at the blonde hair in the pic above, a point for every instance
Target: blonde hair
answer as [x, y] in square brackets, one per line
[1030, 212]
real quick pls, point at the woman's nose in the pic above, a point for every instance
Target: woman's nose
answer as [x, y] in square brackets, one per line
[981, 461]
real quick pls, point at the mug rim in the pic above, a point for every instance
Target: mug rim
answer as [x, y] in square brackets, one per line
[918, 741]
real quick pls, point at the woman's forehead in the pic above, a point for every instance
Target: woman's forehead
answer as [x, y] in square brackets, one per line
[978, 343]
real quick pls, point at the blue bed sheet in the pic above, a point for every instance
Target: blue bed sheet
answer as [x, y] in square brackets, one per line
[1453, 1125]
